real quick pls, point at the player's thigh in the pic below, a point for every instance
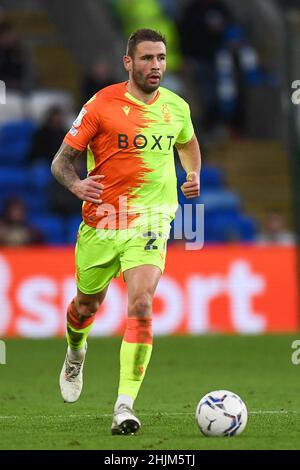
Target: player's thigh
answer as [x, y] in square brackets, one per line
[142, 262]
[97, 261]
[141, 282]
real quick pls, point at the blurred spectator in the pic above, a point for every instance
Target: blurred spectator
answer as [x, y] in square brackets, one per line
[3, 21]
[97, 78]
[135, 14]
[14, 228]
[289, 4]
[48, 138]
[12, 60]
[202, 28]
[171, 8]
[275, 231]
[46, 142]
[237, 67]
[222, 62]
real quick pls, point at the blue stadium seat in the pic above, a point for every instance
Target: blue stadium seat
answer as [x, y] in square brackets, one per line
[36, 201]
[211, 177]
[212, 180]
[13, 178]
[248, 228]
[72, 229]
[220, 200]
[15, 141]
[41, 175]
[51, 226]
[230, 227]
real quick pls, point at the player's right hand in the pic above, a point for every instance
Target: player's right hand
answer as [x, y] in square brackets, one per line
[90, 189]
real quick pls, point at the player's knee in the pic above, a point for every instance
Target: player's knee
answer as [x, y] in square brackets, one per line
[141, 305]
[87, 309]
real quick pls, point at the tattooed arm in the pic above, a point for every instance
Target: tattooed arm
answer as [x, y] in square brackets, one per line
[62, 168]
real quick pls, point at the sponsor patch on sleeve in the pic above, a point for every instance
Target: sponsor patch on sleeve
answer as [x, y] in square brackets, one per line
[78, 120]
[73, 131]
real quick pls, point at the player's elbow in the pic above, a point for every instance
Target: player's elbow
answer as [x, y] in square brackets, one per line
[54, 166]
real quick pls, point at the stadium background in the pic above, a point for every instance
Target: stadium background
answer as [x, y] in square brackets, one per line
[245, 279]
[246, 165]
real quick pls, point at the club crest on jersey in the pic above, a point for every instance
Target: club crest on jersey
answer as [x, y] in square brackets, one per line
[78, 120]
[166, 113]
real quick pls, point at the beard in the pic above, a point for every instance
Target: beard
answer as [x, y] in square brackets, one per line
[142, 82]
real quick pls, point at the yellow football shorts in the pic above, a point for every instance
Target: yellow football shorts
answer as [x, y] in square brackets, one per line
[103, 254]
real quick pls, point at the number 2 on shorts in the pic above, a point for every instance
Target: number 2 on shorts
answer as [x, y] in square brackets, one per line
[149, 245]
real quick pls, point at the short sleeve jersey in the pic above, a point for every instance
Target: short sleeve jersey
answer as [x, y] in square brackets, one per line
[131, 144]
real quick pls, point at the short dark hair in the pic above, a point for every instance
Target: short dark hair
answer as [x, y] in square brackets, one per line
[141, 35]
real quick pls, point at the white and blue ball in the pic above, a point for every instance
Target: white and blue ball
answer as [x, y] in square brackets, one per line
[221, 413]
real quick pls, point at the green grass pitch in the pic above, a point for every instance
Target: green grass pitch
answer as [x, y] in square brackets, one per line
[182, 370]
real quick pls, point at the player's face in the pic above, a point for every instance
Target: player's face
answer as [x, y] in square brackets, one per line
[148, 65]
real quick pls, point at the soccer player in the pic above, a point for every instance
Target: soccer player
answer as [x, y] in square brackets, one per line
[130, 196]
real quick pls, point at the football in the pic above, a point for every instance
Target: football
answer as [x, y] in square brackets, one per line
[221, 413]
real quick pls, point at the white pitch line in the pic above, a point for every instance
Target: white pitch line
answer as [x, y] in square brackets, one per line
[271, 412]
[155, 415]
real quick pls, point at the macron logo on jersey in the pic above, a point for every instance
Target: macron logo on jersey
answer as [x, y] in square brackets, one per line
[126, 109]
[140, 141]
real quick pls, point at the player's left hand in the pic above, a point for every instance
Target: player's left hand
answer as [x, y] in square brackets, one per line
[191, 188]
